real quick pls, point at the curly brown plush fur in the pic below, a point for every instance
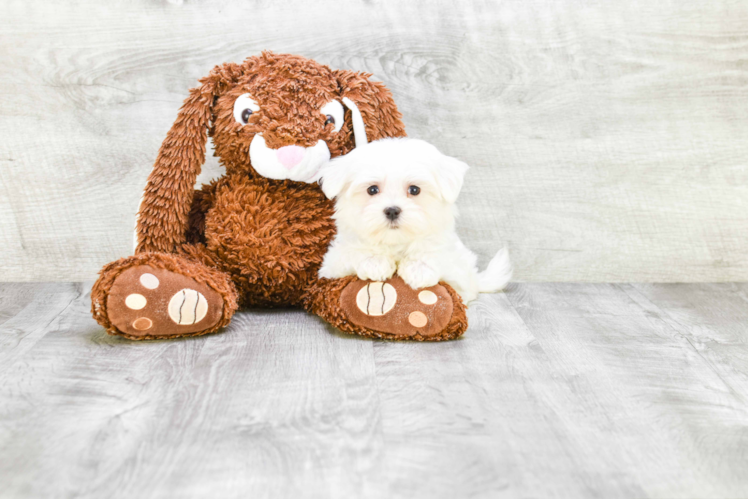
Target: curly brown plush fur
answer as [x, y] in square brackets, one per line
[256, 241]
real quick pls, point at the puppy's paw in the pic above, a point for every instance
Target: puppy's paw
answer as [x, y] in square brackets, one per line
[375, 268]
[417, 274]
[331, 270]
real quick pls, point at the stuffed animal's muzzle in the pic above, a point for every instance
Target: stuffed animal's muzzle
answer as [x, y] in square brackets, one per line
[295, 163]
[298, 163]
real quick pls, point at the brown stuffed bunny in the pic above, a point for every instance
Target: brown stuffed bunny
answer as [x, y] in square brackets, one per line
[257, 235]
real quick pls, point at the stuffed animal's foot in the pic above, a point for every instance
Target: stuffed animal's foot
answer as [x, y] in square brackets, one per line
[147, 301]
[392, 309]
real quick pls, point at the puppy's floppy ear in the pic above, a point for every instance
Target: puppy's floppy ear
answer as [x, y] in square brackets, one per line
[449, 174]
[336, 175]
[165, 206]
[374, 101]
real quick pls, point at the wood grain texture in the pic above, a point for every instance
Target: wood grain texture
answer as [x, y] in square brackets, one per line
[608, 140]
[556, 390]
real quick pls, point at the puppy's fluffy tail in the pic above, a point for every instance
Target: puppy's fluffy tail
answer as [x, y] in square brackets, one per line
[497, 274]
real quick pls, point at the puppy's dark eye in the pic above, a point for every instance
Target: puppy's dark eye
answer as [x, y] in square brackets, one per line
[330, 119]
[372, 190]
[414, 190]
[246, 114]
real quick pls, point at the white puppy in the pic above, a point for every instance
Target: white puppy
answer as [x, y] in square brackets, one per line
[395, 212]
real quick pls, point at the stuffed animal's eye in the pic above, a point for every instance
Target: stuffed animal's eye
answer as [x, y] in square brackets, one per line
[244, 106]
[414, 190]
[372, 190]
[334, 114]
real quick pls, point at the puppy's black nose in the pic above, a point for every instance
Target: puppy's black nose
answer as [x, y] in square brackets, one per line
[392, 213]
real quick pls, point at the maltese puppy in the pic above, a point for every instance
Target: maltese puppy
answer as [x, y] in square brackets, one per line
[395, 213]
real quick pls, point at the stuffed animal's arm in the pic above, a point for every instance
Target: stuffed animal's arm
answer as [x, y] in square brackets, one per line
[203, 201]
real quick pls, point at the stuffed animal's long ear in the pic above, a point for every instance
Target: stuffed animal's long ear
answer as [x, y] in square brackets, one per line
[165, 206]
[374, 102]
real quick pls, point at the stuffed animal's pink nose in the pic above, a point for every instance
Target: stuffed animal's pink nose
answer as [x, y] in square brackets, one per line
[290, 156]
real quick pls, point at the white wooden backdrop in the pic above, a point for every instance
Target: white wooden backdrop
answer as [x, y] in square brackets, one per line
[608, 139]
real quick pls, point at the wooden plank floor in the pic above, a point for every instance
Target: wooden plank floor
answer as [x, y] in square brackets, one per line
[556, 390]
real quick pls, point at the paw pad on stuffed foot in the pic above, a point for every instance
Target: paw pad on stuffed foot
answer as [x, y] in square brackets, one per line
[376, 298]
[394, 309]
[146, 301]
[187, 307]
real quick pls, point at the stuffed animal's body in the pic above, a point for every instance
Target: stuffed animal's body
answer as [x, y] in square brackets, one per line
[257, 235]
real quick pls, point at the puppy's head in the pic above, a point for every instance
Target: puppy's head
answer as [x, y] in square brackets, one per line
[394, 190]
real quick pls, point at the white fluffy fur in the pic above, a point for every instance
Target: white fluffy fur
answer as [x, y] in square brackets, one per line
[421, 245]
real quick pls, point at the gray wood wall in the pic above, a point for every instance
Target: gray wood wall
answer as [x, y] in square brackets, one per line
[607, 139]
